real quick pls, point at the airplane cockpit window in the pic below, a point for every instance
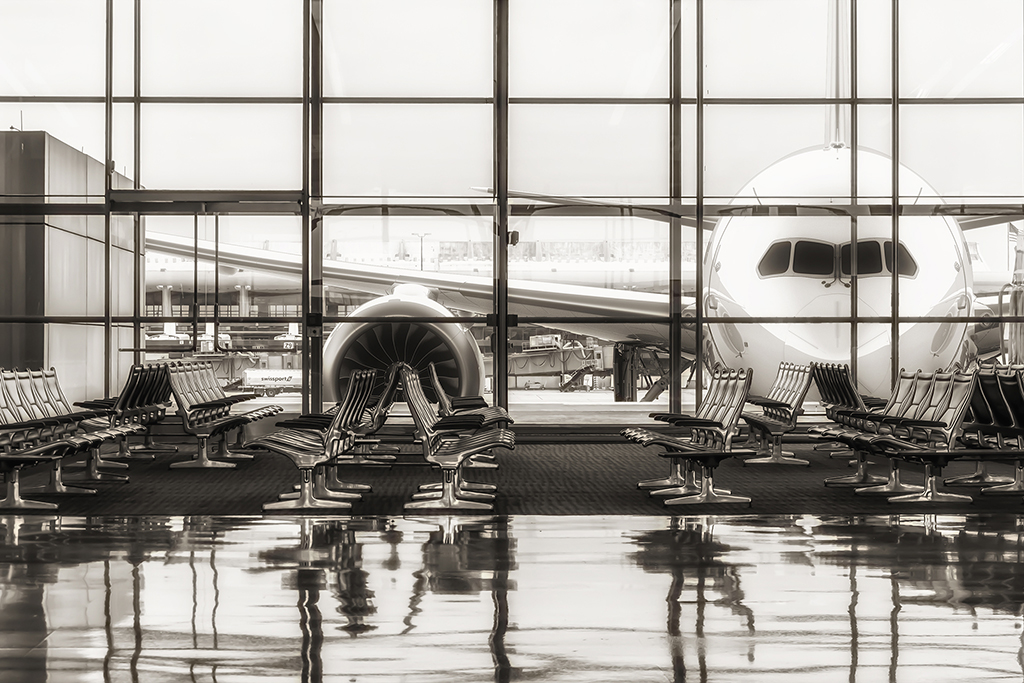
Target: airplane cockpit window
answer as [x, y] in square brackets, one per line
[869, 258]
[814, 258]
[775, 261]
[904, 261]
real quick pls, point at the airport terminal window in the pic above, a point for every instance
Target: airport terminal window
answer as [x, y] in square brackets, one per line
[409, 150]
[588, 48]
[408, 48]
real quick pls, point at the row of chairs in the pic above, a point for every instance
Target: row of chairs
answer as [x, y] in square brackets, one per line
[39, 425]
[319, 444]
[779, 411]
[922, 422]
[705, 440]
[206, 412]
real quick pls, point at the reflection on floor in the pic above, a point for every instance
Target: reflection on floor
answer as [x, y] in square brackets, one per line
[755, 598]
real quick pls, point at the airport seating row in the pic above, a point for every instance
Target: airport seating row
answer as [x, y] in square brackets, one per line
[779, 411]
[705, 441]
[447, 443]
[319, 444]
[206, 411]
[39, 425]
[923, 422]
[311, 444]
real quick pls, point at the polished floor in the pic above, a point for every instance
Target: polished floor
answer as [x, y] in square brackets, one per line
[522, 598]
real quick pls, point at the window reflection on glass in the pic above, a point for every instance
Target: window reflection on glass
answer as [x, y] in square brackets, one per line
[956, 49]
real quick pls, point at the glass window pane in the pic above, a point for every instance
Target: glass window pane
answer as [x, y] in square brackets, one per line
[956, 49]
[52, 47]
[579, 48]
[557, 376]
[124, 48]
[589, 150]
[221, 146]
[74, 149]
[563, 266]
[952, 147]
[770, 49]
[408, 48]
[410, 150]
[366, 256]
[762, 346]
[874, 48]
[774, 153]
[874, 160]
[234, 47]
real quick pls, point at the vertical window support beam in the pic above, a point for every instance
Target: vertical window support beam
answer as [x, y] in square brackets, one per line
[139, 252]
[895, 153]
[854, 190]
[499, 337]
[675, 237]
[699, 307]
[108, 168]
[312, 216]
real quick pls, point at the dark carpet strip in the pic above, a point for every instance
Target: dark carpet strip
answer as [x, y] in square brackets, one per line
[535, 479]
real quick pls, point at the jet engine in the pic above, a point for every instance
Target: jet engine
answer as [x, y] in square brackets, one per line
[449, 346]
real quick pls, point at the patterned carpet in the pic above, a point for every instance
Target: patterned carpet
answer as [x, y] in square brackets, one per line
[535, 479]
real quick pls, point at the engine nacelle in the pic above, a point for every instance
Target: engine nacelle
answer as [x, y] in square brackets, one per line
[449, 346]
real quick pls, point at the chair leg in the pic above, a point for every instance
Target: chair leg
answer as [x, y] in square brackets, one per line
[708, 492]
[149, 445]
[861, 478]
[677, 477]
[931, 493]
[13, 499]
[55, 483]
[893, 485]
[776, 456]
[91, 472]
[448, 500]
[306, 500]
[202, 459]
[333, 483]
[225, 453]
[980, 477]
[1016, 487]
[320, 490]
[685, 471]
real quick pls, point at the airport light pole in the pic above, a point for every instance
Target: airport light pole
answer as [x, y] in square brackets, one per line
[421, 235]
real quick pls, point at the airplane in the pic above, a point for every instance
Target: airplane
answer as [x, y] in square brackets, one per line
[775, 266]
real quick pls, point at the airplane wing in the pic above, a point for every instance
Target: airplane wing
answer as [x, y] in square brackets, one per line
[470, 293]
